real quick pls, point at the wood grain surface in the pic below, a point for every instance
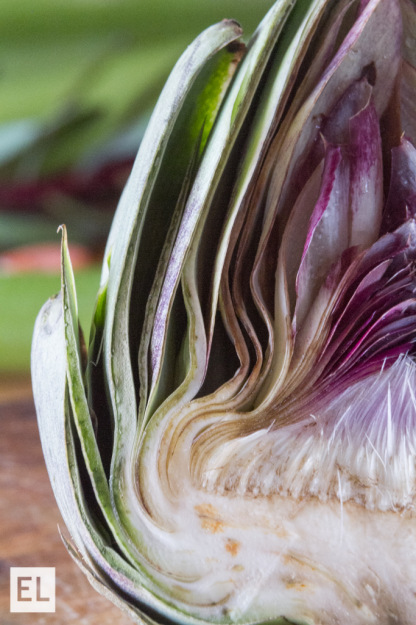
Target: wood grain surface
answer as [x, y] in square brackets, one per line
[29, 519]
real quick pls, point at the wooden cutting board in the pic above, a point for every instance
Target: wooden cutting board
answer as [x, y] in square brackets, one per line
[29, 519]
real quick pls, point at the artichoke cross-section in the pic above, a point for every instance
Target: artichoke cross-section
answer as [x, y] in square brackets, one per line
[237, 441]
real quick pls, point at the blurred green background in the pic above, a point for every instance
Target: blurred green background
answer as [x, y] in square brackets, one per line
[78, 80]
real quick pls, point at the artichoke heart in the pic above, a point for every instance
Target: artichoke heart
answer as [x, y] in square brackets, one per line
[237, 443]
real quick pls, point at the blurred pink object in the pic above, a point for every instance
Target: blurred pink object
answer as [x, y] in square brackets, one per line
[43, 258]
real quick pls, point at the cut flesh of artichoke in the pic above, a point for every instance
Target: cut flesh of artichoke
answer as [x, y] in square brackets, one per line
[239, 444]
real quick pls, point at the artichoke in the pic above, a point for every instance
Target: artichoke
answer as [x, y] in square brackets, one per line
[237, 443]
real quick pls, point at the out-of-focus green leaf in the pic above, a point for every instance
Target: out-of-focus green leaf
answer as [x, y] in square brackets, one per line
[87, 69]
[149, 20]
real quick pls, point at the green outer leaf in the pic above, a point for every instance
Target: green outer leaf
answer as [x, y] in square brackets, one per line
[158, 391]
[126, 232]
[80, 406]
[96, 337]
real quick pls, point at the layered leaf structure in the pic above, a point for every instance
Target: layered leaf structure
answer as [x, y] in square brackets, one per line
[238, 441]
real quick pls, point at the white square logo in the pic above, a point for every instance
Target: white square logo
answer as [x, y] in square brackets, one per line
[32, 589]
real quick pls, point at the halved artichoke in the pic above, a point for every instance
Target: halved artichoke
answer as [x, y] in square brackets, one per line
[238, 443]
